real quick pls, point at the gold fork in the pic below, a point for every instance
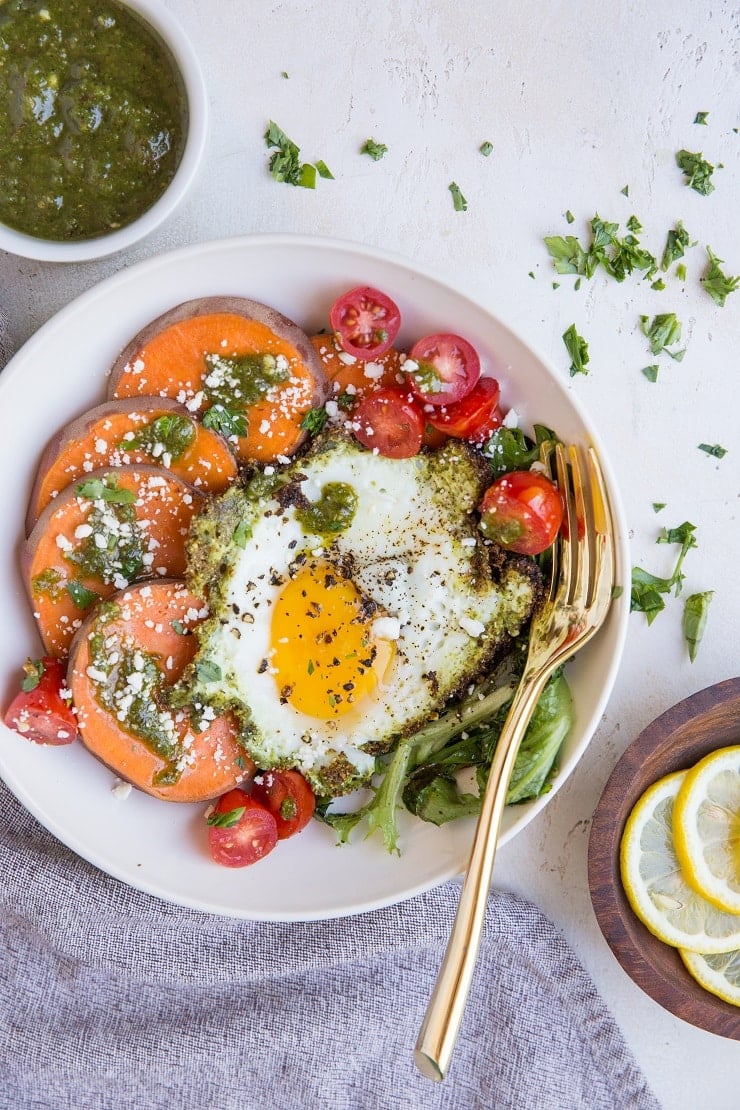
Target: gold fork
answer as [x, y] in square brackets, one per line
[580, 594]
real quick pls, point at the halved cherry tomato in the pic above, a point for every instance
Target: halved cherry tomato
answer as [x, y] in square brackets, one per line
[522, 512]
[288, 797]
[442, 369]
[366, 320]
[40, 712]
[390, 421]
[476, 417]
[241, 831]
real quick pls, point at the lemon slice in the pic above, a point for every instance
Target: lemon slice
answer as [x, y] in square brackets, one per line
[655, 885]
[706, 828]
[719, 974]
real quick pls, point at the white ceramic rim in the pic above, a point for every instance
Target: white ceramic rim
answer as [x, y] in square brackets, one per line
[161, 20]
[617, 620]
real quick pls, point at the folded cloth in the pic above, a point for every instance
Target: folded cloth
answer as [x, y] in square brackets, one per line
[111, 998]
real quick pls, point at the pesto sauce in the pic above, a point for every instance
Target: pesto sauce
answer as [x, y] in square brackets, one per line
[170, 435]
[240, 381]
[92, 117]
[333, 512]
[121, 551]
[138, 703]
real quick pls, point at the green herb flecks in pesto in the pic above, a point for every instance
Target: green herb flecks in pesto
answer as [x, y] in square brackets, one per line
[332, 513]
[48, 582]
[236, 383]
[92, 117]
[165, 437]
[113, 548]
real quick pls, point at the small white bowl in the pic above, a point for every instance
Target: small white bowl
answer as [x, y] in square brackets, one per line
[49, 250]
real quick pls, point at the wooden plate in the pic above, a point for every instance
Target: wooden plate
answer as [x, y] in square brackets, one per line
[674, 742]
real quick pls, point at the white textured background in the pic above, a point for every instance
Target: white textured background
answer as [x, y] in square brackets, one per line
[578, 99]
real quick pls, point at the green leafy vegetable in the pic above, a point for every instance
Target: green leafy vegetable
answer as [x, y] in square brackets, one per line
[226, 820]
[105, 489]
[314, 420]
[651, 372]
[577, 348]
[648, 589]
[697, 171]
[717, 284]
[658, 505]
[458, 200]
[82, 598]
[695, 613]
[285, 163]
[625, 191]
[219, 418]
[714, 449]
[619, 256]
[676, 242]
[509, 449]
[373, 150]
[663, 331]
[324, 171]
[701, 117]
[169, 434]
[569, 216]
[486, 149]
[33, 672]
[681, 272]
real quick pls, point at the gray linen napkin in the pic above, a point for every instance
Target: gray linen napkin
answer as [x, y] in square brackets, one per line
[110, 998]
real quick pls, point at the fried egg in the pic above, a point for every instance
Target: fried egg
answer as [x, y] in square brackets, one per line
[333, 633]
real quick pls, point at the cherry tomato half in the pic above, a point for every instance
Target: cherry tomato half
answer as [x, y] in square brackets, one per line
[240, 830]
[475, 418]
[446, 367]
[390, 421]
[288, 797]
[40, 712]
[522, 512]
[366, 320]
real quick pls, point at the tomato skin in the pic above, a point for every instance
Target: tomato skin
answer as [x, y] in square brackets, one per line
[42, 715]
[522, 511]
[288, 797]
[475, 417]
[390, 421]
[448, 368]
[249, 839]
[366, 320]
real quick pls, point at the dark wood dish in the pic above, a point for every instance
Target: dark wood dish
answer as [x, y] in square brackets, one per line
[673, 742]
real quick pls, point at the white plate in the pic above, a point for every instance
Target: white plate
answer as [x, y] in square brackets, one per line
[159, 847]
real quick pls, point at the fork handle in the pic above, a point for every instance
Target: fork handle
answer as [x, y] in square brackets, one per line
[441, 1023]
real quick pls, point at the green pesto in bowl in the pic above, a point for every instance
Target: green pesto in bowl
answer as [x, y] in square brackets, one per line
[93, 117]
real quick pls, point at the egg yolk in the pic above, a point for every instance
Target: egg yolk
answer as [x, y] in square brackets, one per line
[324, 656]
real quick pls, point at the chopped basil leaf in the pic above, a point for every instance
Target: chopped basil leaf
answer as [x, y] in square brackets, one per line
[658, 505]
[659, 284]
[284, 74]
[569, 216]
[373, 150]
[713, 449]
[33, 672]
[82, 598]
[577, 348]
[226, 820]
[625, 191]
[681, 272]
[531, 274]
[225, 421]
[697, 171]
[717, 284]
[324, 170]
[105, 489]
[459, 201]
[662, 331]
[170, 434]
[648, 589]
[618, 256]
[651, 372]
[208, 671]
[314, 420]
[676, 241]
[486, 149]
[695, 613]
[285, 164]
[701, 117]
[634, 225]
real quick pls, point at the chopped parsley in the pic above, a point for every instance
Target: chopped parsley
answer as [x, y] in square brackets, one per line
[486, 149]
[697, 171]
[618, 255]
[459, 201]
[569, 216]
[663, 331]
[577, 348]
[701, 117]
[648, 589]
[713, 449]
[285, 163]
[717, 284]
[373, 150]
[676, 242]
[227, 423]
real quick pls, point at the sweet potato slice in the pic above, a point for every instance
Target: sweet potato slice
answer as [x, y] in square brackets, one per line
[100, 534]
[356, 376]
[123, 663]
[123, 433]
[211, 354]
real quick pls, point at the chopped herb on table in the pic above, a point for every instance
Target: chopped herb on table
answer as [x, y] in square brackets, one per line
[651, 372]
[285, 163]
[617, 255]
[459, 201]
[648, 589]
[718, 285]
[577, 348]
[486, 149]
[676, 242]
[714, 449]
[663, 331]
[695, 613]
[373, 150]
[697, 171]
[701, 117]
